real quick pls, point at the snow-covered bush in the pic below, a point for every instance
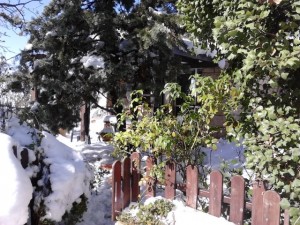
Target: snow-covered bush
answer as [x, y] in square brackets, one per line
[16, 189]
[59, 176]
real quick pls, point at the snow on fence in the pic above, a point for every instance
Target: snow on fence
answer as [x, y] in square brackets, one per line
[265, 205]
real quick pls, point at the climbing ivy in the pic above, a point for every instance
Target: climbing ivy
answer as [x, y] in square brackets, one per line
[260, 41]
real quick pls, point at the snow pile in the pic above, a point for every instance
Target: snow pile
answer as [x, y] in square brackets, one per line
[99, 206]
[180, 214]
[16, 190]
[24, 134]
[69, 177]
[65, 168]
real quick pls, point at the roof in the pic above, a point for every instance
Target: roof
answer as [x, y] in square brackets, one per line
[201, 60]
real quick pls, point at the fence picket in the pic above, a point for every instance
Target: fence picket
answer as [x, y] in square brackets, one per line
[135, 168]
[15, 151]
[170, 177]
[215, 193]
[126, 163]
[24, 158]
[286, 217]
[151, 182]
[237, 200]
[271, 208]
[116, 190]
[191, 186]
[257, 202]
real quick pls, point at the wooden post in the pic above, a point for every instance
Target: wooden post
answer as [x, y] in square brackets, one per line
[24, 158]
[237, 200]
[257, 202]
[170, 177]
[271, 208]
[15, 151]
[135, 173]
[85, 122]
[82, 121]
[116, 190]
[33, 94]
[151, 183]
[126, 182]
[215, 193]
[286, 217]
[191, 186]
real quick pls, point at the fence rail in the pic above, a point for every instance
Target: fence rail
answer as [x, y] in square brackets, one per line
[265, 205]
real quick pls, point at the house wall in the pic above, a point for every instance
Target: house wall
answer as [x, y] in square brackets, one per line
[214, 72]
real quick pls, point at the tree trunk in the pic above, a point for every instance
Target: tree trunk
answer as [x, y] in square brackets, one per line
[85, 122]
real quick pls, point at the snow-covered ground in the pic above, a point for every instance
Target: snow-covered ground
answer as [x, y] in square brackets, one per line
[71, 176]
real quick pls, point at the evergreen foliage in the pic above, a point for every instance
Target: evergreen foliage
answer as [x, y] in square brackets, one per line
[132, 43]
[260, 40]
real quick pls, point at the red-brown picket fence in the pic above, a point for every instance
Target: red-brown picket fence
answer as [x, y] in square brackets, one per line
[265, 205]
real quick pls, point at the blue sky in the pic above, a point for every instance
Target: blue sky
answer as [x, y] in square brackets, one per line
[14, 41]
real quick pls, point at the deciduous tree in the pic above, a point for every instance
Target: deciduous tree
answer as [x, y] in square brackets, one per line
[260, 40]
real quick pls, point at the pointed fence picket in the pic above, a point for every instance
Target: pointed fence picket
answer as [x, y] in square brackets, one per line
[265, 205]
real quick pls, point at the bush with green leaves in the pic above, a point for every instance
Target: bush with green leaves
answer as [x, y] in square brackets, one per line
[152, 213]
[168, 136]
[260, 41]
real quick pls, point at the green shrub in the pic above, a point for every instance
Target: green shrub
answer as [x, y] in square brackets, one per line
[151, 214]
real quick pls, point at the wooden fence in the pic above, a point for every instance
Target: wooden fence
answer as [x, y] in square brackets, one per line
[265, 205]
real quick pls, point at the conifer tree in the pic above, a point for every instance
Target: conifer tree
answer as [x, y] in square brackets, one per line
[82, 48]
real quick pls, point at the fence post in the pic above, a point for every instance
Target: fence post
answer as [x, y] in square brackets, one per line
[215, 193]
[116, 189]
[170, 177]
[271, 208]
[135, 168]
[191, 186]
[286, 217]
[24, 158]
[257, 202]
[151, 182]
[15, 151]
[126, 163]
[237, 200]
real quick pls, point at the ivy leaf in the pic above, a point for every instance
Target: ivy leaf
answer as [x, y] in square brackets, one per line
[284, 203]
[296, 183]
[284, 75]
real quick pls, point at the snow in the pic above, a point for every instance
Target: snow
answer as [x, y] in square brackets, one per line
[16, 191]
[28, 47]
[68, 172]
[223, 64]
[197, 49]
[180, 214]
[51, 34]
[94, 61]
[70, 178]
